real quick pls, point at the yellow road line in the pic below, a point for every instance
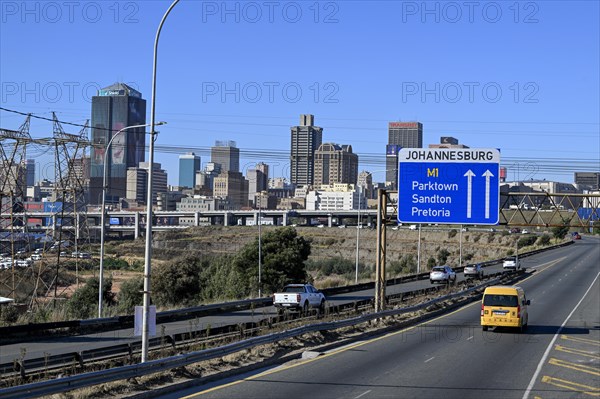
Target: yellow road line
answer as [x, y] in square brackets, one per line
[573, 386]
[577, 339]
[350, 347]
[344, 349]
[576, 351]
[575, 366]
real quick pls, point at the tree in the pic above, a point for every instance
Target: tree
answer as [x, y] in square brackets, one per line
[84, 302]
[177, 282]
[131, 294]
[283, 257]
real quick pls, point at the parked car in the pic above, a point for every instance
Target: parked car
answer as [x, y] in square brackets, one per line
[511, 263]
[36, 257]
[473, 271]
[442, 274]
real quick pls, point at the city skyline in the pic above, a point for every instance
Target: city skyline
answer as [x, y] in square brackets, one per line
[501, 88]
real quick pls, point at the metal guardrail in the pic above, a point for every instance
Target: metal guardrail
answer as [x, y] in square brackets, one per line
[107, 324]
[80, 358]
[137, 370]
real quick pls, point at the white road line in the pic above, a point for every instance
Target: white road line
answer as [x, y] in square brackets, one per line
[362, 394]
[471, 337]
[538, 370]
[430, 359]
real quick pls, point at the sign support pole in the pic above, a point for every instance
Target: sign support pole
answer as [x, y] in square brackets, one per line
[381, 246]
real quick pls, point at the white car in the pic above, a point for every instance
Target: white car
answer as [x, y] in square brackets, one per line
[473, 271]
[442, 274]
[412, 227]
[511, 263]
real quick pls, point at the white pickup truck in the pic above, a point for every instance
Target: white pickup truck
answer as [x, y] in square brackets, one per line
[299, 297]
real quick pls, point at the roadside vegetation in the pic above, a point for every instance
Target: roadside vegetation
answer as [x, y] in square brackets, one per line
[216, 265]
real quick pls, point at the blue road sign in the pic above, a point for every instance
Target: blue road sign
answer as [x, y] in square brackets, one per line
[448, 185]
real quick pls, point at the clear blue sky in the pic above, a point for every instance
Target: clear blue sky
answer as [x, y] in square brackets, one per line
[519, 76]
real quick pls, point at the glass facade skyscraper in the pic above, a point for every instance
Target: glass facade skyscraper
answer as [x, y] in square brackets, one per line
[114, 108]
[189, 164]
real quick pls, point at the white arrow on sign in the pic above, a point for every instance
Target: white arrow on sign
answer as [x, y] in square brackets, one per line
[487, 176]
[469, 176]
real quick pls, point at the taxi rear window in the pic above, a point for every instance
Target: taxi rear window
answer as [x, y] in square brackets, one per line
[500, 300]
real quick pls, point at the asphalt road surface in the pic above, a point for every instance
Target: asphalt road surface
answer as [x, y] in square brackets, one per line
[60, 345]
[451, 357]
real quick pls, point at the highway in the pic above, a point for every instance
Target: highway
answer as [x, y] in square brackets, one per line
[451, 356]
[60, 345]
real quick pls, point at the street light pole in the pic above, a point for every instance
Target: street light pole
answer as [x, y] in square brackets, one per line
[259, 249]
[357, 235]
[103, 213]
[148, 251]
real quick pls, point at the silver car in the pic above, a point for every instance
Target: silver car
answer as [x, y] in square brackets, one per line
[473, 271]
[442, 274]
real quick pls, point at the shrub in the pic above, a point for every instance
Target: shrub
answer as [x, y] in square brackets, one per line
[442, 256]
[543, 240]
[9, 314]
[452, 233]
[84, 302]
[430, 263]
[560, 232]
[526, 241]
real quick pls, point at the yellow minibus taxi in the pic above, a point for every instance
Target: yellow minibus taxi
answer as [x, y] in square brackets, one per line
[504, 306]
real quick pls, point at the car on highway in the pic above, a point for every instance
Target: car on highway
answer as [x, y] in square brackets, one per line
[525, 231]
[473, 271]
[442, 274]
[504, 306]
[299, 297]
[412, 227]
[511, 263]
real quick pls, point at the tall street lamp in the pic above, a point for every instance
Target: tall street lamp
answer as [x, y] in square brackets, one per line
[148, 252]
[103, 214]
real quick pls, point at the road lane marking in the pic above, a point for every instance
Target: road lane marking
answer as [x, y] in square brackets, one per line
[573, 386]
[575, 351]
[574, 366]
[430, 359]
[470, 338]
[538, 370]
[362, 394]
[577, 339]
[547, 265]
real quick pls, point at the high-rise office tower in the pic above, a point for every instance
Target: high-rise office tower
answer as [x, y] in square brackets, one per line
[189, 164]
[400, 135]
[258, 180]
[137, 182]
[335, 164]
[114, 108]
[225, 154]
[30, 172]
[305, 140]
